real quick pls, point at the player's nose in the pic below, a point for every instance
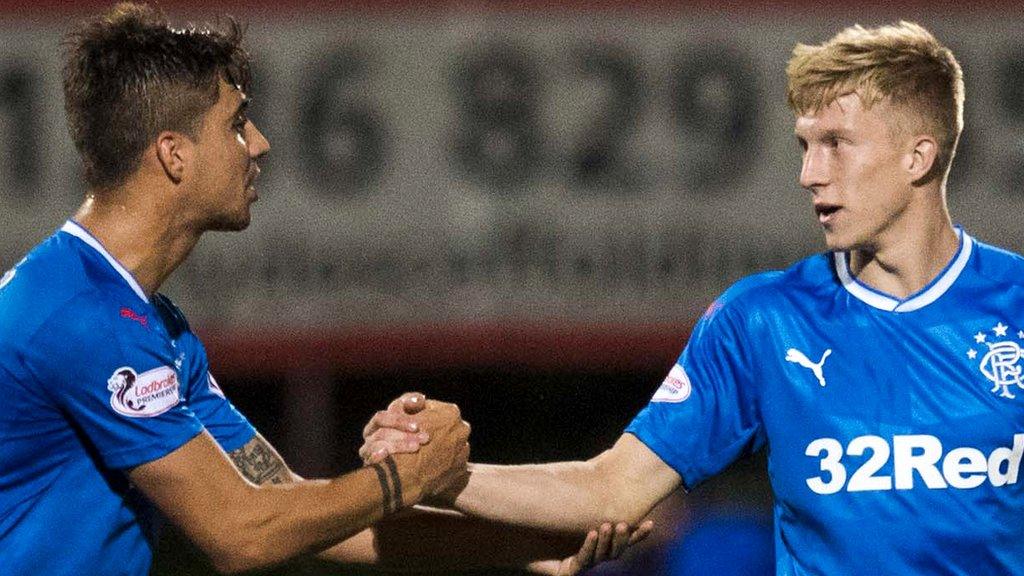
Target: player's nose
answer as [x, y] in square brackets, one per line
[814, 170]
[259, 146]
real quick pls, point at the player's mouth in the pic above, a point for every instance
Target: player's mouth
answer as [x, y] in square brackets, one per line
[250, 182]
[826, 212]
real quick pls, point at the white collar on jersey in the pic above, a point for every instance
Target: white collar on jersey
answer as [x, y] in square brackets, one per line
[76, 230]
[926, 296]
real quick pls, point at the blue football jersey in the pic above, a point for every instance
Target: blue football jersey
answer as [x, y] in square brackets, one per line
[894, 428]
[95, 378]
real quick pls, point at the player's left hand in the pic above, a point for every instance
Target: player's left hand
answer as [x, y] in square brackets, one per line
[395, 430]
[605, 543]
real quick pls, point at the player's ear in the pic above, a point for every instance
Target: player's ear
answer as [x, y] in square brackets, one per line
[174, 152]
[922, 158]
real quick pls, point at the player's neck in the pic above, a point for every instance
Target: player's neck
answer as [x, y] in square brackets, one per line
[909, 255]
[138, 233]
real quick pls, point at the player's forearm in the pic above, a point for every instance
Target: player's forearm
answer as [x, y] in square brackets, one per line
[242, 526]
[261, 464]
[311, 515]
[429, 539]
[622, 484]
[292, 516]
[561, 496]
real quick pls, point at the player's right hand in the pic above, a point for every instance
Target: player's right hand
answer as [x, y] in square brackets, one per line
[396, 430]
[440, 464]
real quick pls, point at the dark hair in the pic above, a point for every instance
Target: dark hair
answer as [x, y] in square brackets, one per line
[129, 75]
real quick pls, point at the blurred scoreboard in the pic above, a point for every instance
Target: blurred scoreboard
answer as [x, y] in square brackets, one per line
[456, 166]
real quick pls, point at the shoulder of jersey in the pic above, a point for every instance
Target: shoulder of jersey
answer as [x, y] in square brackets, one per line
[173, 316]
[808, 275]
[998, 264]
[47, 279]
[49, 273]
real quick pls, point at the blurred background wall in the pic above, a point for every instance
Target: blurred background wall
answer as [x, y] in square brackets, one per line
[518, 206]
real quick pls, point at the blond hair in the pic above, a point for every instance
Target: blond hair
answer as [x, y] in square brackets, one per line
[902, 63]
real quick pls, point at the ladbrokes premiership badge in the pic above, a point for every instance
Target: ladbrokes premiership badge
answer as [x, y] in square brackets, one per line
[675, 388]
[999, 361]
[143, 395]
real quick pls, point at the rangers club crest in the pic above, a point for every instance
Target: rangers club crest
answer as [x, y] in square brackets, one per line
[143, 395]
[999, 360]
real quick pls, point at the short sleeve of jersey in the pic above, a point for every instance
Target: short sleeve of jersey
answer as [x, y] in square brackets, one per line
[117, 383]
[227, 425]
[704, 415]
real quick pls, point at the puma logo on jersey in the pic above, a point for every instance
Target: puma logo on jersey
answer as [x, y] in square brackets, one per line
[798, 357]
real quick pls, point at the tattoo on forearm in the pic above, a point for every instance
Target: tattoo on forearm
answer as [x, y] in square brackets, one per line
[396, 481]
[259, 463]
[385, 487]
[390, 484]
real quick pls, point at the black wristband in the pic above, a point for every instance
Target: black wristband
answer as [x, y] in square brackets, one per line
[397, 482]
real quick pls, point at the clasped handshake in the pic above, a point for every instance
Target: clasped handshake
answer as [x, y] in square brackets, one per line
[420, 449]
[425, 442]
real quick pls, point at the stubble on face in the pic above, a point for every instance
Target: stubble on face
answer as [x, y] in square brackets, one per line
[228, 169]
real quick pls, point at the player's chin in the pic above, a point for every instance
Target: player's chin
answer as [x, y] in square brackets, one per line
[242, 221]
[233, 222]
[241, 224]
[837, 242]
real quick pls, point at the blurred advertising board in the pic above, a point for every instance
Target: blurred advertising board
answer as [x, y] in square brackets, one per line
[452, 165]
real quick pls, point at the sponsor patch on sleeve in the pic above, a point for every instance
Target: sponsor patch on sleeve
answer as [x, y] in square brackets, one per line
[143, 395]
[675, 388]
